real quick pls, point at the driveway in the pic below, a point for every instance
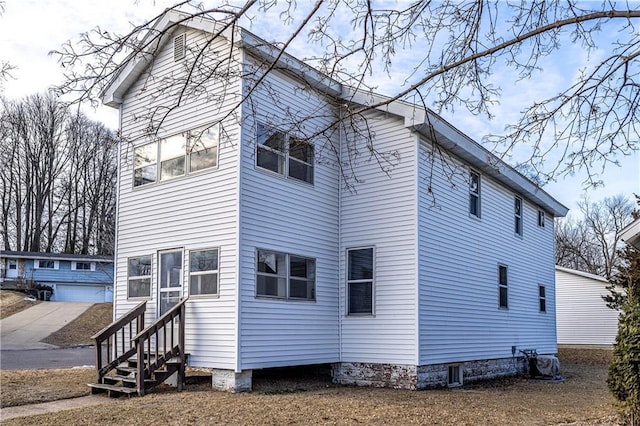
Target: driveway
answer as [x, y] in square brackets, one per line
[24, 330]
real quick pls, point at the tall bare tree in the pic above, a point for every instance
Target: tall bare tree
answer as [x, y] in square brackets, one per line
[57, 174]
[592, 243]
[454, 47]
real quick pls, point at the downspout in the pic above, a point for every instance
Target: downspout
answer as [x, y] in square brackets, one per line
[115, 237]
[341, 288]
[237, 331]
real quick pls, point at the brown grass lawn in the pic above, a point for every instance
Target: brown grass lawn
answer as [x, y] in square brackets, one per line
[80, 330]
[12, 302]
[582, 400]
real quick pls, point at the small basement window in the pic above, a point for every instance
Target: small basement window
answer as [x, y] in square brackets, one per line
[454, 376]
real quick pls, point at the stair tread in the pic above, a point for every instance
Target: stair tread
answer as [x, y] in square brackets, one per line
[112, 387]
[125, 378]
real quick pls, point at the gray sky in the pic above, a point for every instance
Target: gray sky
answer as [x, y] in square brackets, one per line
[30, 29]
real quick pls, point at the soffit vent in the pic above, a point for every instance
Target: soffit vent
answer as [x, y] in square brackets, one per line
[179, 47]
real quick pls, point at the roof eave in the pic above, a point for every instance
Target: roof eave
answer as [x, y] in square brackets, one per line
[631, 234]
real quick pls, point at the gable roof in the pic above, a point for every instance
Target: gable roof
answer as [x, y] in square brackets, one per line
[418, 119]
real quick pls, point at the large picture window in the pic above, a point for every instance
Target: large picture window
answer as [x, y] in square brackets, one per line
[285, 155]
[178, 155]
[285, 276]
[139, 277]
[360, 277]
[203, 272]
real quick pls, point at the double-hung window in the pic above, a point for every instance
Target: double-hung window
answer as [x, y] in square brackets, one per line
[178, 155]
[285, 276]
[360, 277]
[474, 193]
[288, 156]
[541, 217]
[139, 277]
[203, 272]
[517, 213]
[542, 298]
[503, 295]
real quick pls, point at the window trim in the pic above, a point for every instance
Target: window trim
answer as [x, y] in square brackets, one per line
[270, 130]
[477, 194]
[150, 277]
[56, 264]
[287, 277]
[504, 286]
[216, 271]
[517, 217]
[372, 280]
[74, 266]
[541, 218]
[542, 298]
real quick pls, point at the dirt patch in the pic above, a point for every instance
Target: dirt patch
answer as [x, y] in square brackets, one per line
[12, 302]
[583, 399]
[80, 330]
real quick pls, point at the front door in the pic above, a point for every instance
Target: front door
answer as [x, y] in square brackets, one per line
[169, 279]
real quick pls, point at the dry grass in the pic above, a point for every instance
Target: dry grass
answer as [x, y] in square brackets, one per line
[80, 330]
[583, 399]
[12, 302]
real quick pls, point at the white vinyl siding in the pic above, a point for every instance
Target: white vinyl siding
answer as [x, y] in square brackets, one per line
[459, 315]
[288, 216]
[381, 213]
[583, 317]
[193, 212]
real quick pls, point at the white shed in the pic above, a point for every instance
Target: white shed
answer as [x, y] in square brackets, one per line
[583, 317]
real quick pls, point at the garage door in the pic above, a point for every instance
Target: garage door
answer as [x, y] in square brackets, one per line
[79, 293]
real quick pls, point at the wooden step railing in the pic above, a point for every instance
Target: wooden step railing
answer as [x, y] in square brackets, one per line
[117, 339]
[157, 345]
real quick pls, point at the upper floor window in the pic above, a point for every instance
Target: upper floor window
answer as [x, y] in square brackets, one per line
[83, 266]
[13, 264]
[285, 155]
[360, 267]
[503, 294]
[139, 277]
[541, 218]
[474, 193]
[517, 215]
[203, 272]
[178, 154]
[285, 276]
[46, 264]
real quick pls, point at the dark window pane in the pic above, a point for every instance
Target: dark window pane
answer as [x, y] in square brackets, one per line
[273, 141]
[301, 267]
[503, 275]
[172, 168]
[503, 297]
[271, 286]
[270, 160]
[360, 298]
[139, 266]
[204, 260]
[301, 150]
[140, 287]
[542, 291]
[203, 284]
[543, 305]
[300, 171]
[144, 175]
[473, 204]
[301, 289]
[203, 159]
[46, 264]
[360, 264]
[271, 263]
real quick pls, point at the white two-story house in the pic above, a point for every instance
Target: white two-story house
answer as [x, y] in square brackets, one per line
[388, 244]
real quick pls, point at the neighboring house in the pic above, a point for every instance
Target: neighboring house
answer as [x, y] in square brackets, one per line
[631, 234]
[437, 270]
[74, 278]
[582, 317]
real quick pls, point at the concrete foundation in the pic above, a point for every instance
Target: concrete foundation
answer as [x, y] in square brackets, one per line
[230, 381]
[424, 376]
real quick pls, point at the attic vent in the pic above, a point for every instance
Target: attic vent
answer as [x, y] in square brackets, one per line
[179, 47]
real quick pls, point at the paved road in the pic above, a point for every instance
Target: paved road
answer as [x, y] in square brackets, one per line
[47, 358]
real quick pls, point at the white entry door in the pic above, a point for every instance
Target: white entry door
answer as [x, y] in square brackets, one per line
[169, 279]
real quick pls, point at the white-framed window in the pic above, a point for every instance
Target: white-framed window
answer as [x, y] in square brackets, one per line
[517, 215]
[203, 272]
[13, 264]
[474, 193]
[503, 281]
[144, 164]
[283, 154]
[541, 218]
[46, 264]
[542, 298]
[179, 155]
[454, 375]
[360, 280]
[83, 266]
[139, 277]
[285, 276]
